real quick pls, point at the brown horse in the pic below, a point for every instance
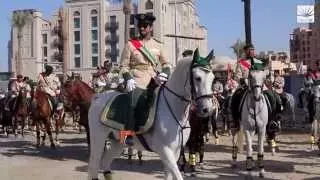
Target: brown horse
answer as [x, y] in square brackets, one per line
[21, 111]
[42, 113]
[78, 93]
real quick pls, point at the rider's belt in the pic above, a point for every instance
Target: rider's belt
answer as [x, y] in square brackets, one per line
[141, 67]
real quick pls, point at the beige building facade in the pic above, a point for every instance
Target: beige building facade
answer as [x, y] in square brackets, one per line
[84, 33]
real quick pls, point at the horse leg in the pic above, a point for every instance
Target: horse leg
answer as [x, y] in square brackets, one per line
[15, 125]
[169, 160]
[97, 150]
[38, 134]
[108, 156]
[249, 162]
[57, 124]
[48, 129]
[182, 161]
[314, 129]
[261, 137]
[140, 157]
[201, 154]
[234, 151]
[214, 129]
[23, 118]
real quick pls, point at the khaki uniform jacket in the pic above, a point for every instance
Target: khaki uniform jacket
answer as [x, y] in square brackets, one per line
[139, 67]
[49, 84]
[241, 71]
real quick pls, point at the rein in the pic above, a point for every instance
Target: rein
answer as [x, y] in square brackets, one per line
[184, 99]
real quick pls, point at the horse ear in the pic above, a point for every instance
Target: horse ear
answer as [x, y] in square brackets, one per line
[210, 56]
[195, 56]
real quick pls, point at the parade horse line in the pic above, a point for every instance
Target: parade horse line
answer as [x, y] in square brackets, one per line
[174, 121]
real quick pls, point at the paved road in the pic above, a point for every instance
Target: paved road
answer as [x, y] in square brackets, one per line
[20, 160]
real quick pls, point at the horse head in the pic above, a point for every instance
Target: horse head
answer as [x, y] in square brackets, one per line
[75, 91]
[201, 78]
[256, 82]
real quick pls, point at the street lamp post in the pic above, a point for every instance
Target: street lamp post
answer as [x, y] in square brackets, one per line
[247, 20]
[175, 32]
[127, 13]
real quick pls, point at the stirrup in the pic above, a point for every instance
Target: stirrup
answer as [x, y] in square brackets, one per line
[124, 134]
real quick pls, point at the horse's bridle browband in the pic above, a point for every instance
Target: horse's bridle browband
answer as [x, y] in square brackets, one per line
[193, 98]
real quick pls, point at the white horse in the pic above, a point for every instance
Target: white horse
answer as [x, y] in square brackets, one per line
[254, 118]
[315, 114]
[190, 82]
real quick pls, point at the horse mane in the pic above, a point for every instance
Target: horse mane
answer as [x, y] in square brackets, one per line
[183, 66]
[88, 88]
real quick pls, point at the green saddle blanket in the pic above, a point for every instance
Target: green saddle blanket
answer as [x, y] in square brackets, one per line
[116, 112]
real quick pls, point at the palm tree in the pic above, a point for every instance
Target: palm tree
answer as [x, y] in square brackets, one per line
[18, 21]
[237, 48]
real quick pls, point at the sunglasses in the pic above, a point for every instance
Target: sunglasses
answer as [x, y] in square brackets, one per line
[144, 25]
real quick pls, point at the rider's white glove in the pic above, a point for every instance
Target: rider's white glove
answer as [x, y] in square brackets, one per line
[131, 85]
[101, 84]
[161, 78]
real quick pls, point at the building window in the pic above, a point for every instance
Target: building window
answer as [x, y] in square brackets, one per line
[44, 38]
[132, 19]
[149, 5]
[132, 32]
[77, 49]
[94, 35]
[77, 62]
[94, 61]
[76, 22]
[94, 48]
[94, 21]
[45, 52]
[76, 13]
[94, 12]
[113, 19]
[77, 36]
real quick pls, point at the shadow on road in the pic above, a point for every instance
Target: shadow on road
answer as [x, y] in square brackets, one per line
[70, 149]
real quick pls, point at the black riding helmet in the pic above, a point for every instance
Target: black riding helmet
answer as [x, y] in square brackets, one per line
[48, 69]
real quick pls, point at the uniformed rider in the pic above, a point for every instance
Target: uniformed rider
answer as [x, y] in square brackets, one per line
[14, 88]
[143, 66]
[50, 84]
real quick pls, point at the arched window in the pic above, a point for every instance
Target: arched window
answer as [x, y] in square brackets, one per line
[76, 13]
[93, 12]
[149, 5]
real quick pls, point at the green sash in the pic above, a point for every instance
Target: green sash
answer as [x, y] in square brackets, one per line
[136, 43]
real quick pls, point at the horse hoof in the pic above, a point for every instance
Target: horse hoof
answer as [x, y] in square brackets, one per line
[53, 146]
[217, 141]
[234, 164]
[261, 173]
[201, 165]
[107, 175]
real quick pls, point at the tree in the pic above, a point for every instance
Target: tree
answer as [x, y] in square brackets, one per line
[18, 21]
[237, 48]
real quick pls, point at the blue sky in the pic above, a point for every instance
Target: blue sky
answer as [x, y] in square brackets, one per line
[272, 22]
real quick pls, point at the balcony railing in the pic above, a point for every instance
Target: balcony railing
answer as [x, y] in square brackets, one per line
[110, 53]
[57, 30]
[112, 39]
[58, 56]
[112, 26]
[57, 43]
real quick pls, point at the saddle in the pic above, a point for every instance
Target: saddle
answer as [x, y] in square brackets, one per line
[116, 112]
[237, 102]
